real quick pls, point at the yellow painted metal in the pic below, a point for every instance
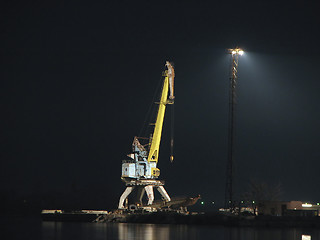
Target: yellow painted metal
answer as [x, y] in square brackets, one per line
[156, 138]
[155, 172]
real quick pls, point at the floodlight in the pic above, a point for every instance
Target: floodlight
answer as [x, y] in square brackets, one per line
[236, 51]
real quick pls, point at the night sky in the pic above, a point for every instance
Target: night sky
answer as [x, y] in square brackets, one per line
[77, 79]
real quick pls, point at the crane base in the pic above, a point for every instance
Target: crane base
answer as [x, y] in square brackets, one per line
[143, 185]
[143, 182]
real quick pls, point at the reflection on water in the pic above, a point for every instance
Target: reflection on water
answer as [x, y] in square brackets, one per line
[119, 231]
[127, 231]
[123, 231]
[155, 232]
[35, 229]
[271, 233]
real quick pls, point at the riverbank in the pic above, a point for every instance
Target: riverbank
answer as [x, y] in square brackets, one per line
[173, 217]
[213, 219]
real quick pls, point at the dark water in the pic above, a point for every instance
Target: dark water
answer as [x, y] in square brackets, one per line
[34, 228]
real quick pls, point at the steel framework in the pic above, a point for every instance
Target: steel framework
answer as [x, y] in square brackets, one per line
[229, 191]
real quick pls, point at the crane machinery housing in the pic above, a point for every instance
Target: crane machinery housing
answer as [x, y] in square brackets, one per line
[140, 171]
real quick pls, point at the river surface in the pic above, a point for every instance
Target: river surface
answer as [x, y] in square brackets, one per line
[35, 229]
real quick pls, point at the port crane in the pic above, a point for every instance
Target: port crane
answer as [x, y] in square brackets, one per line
[140, 171]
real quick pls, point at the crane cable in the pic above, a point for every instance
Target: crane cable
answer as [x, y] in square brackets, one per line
[172, 133]
[144, 127]
[151, 112]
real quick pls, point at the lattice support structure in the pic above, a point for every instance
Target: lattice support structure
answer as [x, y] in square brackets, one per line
[229, 191]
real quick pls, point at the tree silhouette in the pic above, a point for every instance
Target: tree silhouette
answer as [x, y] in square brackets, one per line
[260, 192]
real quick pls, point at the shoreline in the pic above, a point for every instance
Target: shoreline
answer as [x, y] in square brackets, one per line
[219, 219]
[213, 219]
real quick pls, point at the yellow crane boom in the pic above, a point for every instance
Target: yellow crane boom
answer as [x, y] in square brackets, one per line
[168, 84]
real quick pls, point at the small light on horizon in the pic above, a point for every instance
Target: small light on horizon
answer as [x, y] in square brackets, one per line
[306, 205]
[305, 237]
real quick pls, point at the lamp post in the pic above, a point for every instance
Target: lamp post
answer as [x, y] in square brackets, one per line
[235, 53]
